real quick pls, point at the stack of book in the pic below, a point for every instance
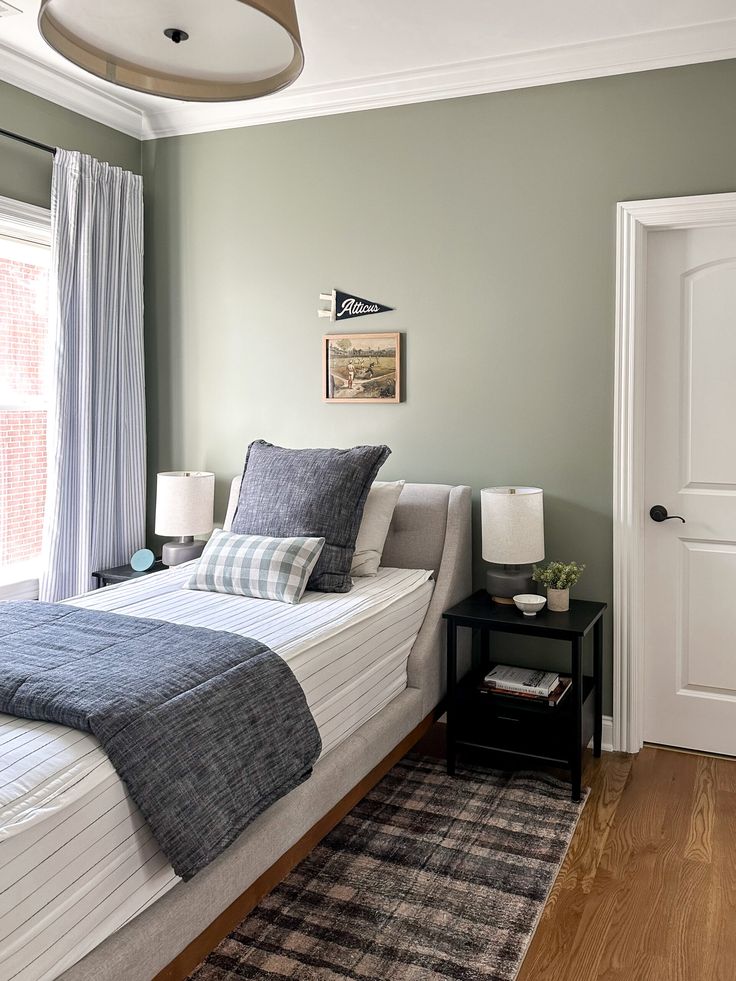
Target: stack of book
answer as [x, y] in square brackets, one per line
[541, 686]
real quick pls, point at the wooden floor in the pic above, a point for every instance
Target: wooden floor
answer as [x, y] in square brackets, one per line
[648, 888]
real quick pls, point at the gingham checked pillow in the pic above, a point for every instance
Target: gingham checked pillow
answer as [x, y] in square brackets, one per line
[251, 565]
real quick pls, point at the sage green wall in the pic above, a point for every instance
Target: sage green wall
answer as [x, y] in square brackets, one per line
[488, 222]
[25, 173]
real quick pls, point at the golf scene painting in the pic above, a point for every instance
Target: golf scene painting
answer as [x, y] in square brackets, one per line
[361, 368]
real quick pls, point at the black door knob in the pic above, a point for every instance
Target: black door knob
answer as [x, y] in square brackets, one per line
[659, 513]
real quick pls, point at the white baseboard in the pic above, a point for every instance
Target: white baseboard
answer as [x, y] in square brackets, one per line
[607, 736]
[606, 740]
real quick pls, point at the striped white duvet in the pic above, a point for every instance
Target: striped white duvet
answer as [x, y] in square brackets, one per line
[77, 858]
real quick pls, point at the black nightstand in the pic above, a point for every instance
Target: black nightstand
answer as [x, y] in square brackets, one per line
[122, 573]
[525, 731]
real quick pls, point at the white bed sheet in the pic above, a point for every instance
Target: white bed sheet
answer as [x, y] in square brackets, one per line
[78, 860]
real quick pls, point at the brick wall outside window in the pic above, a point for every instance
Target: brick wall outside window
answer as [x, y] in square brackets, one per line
[23, 338]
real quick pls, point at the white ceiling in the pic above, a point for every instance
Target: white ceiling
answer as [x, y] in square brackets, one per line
[362, 55]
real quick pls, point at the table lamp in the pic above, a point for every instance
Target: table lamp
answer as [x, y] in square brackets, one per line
[185, 501]
[512, 520]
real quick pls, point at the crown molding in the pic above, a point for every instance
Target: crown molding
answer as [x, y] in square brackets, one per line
[713, 41]
[612, 56]
[70, 92]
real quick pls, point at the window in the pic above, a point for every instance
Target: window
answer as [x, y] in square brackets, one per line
[24, 344]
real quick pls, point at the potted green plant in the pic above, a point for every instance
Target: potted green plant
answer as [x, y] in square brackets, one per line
[558, 577]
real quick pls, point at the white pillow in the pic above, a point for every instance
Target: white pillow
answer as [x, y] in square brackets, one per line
[377, 514]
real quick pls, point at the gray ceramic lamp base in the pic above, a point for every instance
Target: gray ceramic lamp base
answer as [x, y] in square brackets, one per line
[181, 550]
[505, 581]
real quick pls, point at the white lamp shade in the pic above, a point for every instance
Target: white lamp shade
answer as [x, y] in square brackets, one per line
[185, 501]
[512, 520]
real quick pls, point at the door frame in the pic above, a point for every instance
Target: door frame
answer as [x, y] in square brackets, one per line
[635, 219]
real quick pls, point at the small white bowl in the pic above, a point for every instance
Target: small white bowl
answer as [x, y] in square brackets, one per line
[529, 603]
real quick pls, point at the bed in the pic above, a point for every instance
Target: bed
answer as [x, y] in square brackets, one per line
[87, 894]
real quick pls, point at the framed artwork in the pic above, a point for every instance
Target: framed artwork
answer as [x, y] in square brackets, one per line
[361, 368]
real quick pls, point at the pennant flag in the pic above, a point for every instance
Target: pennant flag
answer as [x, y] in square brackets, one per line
[345, 306]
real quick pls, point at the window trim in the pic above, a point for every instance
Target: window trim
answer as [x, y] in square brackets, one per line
[25, 587]
[26, 223]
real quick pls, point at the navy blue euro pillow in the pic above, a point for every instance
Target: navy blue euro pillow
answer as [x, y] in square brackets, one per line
[314, 493]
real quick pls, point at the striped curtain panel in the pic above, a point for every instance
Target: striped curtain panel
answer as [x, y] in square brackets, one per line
[95, 499]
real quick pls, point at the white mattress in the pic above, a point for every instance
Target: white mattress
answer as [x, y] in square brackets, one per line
[78, 860]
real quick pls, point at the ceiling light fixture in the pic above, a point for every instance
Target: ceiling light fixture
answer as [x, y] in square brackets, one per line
[236, 49]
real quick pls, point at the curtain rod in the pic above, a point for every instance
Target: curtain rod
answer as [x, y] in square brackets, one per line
[27, 141]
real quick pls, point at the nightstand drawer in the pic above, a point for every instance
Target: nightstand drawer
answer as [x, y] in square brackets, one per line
[515, 730]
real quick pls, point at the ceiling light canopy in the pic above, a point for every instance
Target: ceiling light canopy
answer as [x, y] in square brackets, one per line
[219, 51]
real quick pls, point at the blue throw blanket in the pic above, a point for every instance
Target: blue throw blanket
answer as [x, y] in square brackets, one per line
[206, 728]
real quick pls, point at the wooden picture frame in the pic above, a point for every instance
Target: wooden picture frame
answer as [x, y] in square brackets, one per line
[361, 368]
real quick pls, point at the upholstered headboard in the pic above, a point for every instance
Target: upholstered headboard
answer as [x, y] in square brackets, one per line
[416, 538]
[232, 501]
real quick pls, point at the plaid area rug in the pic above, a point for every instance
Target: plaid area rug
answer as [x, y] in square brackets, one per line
[429, 877]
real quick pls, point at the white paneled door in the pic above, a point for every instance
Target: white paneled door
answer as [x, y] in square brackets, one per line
[690, 471]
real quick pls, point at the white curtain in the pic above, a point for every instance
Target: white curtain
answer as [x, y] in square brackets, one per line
[95, 500]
